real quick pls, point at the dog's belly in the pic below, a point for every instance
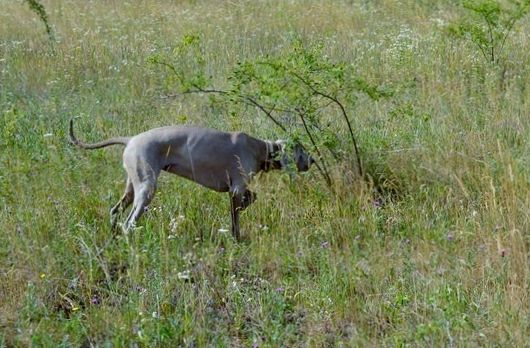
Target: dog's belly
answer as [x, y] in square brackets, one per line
[213, 179]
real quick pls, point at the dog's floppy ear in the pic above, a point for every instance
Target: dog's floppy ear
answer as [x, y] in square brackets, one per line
[279, 148]
[280, 145]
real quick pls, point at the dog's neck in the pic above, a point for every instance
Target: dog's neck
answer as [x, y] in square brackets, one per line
[271, 159]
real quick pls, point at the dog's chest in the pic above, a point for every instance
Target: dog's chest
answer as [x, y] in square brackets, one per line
[215, 179]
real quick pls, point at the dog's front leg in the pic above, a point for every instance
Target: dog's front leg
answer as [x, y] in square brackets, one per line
[239, 201]
[248, 198]
[236, 201]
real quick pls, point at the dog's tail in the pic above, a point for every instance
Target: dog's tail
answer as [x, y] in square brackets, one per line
[108, 142]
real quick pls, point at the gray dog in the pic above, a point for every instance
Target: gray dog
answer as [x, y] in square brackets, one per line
[221, 161]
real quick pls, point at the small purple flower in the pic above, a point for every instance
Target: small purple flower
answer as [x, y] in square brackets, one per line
[280, 289]
[95, 300]
[376, 203]
[324, 245]
[450, 237]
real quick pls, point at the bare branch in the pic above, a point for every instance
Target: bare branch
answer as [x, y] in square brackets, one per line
[324, 171]
[267, 112]
[245, 99]
[344, 114]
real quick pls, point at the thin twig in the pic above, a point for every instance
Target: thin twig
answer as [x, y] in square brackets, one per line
[511, 25]
[491, 44]
[262, 108]
[344, 114]
[246, 99]
[324, 172]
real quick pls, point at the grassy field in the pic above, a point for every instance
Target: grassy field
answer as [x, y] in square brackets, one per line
[435, 253]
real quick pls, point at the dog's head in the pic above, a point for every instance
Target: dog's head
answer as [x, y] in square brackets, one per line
[294, 154]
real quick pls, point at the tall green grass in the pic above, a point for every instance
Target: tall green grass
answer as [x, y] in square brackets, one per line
[432, 251]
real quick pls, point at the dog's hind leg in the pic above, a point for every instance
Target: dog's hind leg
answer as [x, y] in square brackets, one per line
[143, 194]
[123, 203]
[143, 176]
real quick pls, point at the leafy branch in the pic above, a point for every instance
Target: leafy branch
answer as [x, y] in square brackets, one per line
[489, 23]
[295, 90]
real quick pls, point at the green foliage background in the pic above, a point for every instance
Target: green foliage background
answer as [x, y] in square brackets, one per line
[432, 251]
